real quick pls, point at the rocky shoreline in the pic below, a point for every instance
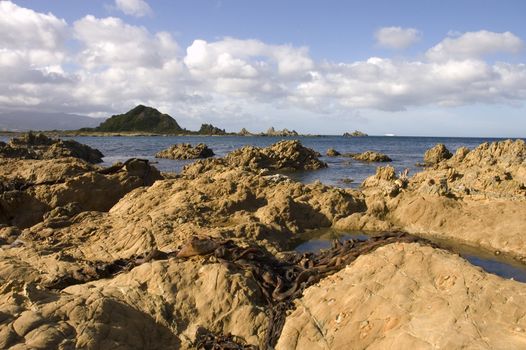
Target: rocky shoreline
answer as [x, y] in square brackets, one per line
[125, 256]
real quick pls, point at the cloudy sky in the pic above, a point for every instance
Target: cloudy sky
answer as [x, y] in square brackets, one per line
[445, 68]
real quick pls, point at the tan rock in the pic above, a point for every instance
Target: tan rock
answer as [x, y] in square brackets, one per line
[34, 187]
[369, 156]
[39, 146]
[283, 155]
[186, 151]
[405, 296]
[436, 154]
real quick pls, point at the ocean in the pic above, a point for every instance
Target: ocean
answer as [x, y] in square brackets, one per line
[405, 152]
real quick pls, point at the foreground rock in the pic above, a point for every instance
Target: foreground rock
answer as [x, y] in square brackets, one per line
[473, 197]
[283, 156]
[39, 146]
[186, 151]
[405, 296]
[32, 190]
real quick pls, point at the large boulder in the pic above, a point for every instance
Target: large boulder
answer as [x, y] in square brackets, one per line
[40, 146]
[186, 151]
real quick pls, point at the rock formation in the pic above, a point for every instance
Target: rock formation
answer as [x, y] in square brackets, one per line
[282, 133]
[245, 132]
[283, 156]
[39, 146]
[369, 156]
[473, 197]
[186, 151]
[436, 154]
[209, 129]
[355, 133]
[331, 152]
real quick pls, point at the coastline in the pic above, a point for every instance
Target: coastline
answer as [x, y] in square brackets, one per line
[217, 236]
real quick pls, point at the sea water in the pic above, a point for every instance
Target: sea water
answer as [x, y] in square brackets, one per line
[342, 171]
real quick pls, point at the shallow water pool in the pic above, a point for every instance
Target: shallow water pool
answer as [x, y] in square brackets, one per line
[499, 265]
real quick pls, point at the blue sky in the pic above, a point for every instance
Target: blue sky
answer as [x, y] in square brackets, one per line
[406, 67]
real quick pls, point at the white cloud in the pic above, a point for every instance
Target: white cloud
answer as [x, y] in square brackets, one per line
[110, 41]
[397, 37]
[115, 65]
[475, 45]
[137, 8]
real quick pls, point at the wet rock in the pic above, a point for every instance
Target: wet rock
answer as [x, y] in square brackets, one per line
[436, 154]
[369, 156]
[331, 152]
[39, 146]
[186, 151]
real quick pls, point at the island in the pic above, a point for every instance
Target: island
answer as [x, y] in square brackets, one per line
[355, 133]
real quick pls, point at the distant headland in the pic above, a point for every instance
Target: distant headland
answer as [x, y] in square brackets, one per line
[148, 121]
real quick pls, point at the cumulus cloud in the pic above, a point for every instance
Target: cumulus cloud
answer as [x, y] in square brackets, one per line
[397, 37]
[115, 65]
[137, 8]
[110, 41]
[475, 45]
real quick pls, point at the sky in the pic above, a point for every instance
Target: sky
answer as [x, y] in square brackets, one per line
[435, 68]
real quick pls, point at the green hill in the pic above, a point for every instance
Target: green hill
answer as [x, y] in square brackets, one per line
[141, 118]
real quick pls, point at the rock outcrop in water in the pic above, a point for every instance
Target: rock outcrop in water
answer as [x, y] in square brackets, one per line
[355, 133]
[186, 151]
[209, 129]
[283, 156]
[331, 152]
[39, 146]
[369, 156]
[200, 258]
[283, 133]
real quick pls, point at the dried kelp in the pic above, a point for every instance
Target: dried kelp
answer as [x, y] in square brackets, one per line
[283, 280]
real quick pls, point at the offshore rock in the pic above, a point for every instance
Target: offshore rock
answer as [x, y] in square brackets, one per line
[186, 151]
[39, 146]
[331, 152]
[283, 155]
[369, 156]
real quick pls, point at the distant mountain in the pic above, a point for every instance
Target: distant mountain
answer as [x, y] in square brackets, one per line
[30, 120]
[143, 119]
